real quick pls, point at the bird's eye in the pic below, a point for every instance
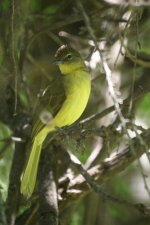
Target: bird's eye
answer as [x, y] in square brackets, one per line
[69, 56]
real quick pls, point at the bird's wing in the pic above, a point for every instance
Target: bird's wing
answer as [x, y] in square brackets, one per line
[48, 104]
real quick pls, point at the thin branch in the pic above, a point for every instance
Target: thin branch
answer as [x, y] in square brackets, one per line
[110, 167]
[77, 186]
[97, 188]
[104, 64]
[13, 49]
[139, 93]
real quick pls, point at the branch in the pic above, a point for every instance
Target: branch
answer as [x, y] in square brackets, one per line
[48, 202]
[111, 166]
[72, 190]
[97, 188]
[13, 198]
[140, 92]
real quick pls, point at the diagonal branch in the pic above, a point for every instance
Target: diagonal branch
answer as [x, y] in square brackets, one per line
[113, 165]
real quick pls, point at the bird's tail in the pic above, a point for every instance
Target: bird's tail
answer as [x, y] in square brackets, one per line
[30, 173]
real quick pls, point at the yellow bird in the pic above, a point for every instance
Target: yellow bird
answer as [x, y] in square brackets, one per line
[77, 86]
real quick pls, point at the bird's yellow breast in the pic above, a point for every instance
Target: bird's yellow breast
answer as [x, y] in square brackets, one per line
[78, 87]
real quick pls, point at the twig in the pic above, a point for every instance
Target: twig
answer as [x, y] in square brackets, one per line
[143, 143]
[116, 163]
[124, 33]
[138, 95]
[109, 78]
[105, 66]
[97, 188]
[134, 69]
[111, 166]
[13, 45]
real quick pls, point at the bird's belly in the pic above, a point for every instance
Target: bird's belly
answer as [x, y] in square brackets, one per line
[71, 110]
[73, 106]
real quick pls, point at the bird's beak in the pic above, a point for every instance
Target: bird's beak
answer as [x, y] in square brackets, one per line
[57, 62]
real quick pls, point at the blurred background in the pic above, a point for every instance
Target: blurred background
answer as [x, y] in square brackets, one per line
[30, 33]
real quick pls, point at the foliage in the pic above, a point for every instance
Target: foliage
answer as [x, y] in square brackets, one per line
[113, 38]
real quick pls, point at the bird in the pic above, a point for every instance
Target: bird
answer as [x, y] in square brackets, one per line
[77, 86]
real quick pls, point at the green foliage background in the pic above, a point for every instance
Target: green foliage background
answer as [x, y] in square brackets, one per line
[34, 40]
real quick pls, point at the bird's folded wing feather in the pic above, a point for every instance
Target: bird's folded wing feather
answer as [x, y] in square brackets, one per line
[49, 104]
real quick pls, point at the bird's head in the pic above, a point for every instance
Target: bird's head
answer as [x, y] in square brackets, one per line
[68, 59]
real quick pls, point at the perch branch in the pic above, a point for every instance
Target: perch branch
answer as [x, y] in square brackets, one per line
[111, 166]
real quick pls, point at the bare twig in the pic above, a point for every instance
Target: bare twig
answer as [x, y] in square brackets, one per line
[77, 188]
[108, 74]
[101, 173]
[13, 49]
[104, 64]
[138, 95]
[97, 188]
